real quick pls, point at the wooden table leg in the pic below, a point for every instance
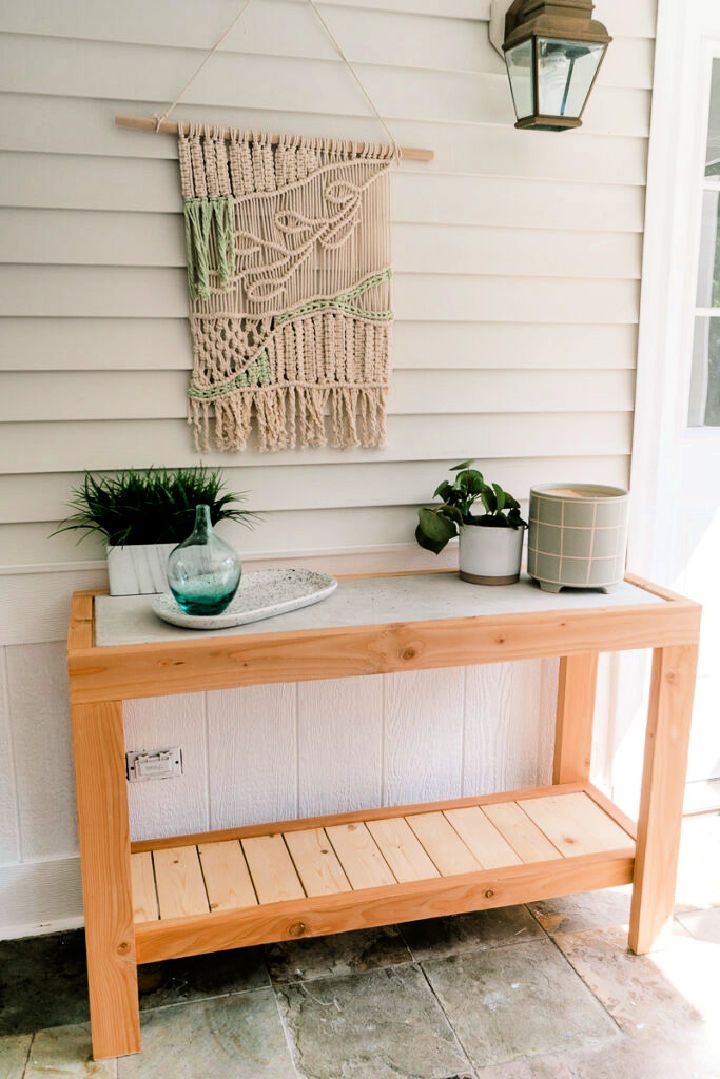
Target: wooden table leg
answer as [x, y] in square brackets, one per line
[672, 690]
[104, 831]
[574, 722]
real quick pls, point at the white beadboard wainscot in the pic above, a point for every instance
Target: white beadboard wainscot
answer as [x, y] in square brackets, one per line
[517, 262]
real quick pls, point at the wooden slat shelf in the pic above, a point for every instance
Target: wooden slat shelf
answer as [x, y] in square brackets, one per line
[172, 897]
[274, 885]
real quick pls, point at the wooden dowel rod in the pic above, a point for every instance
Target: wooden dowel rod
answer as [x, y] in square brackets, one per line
[170, 127]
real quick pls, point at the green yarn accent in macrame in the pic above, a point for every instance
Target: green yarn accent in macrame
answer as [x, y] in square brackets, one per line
[344, 302]
[256, 374]
[204, 218]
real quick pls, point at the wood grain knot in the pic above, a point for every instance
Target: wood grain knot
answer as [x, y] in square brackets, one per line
[297, 929]
[409, 653]
[123, 948]
[500, 640]
[489, 893]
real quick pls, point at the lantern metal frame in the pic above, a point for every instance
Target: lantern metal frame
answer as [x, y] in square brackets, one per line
[558, 20]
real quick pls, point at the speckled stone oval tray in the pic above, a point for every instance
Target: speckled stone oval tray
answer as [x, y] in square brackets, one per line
[262, 594]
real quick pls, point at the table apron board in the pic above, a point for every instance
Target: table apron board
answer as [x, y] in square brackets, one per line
[153, 670]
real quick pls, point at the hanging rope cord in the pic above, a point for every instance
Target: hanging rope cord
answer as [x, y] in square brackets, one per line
[397, 152]
[206, 59]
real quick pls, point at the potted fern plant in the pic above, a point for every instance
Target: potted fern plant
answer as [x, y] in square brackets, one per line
[490, 542]
[142, 516]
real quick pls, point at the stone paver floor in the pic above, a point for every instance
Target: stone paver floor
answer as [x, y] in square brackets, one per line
[545, 991]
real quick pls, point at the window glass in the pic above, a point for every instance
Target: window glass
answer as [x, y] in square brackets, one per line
[519, 65]
[705, 384]
[712, 157]
[704, 403]
[567, 69]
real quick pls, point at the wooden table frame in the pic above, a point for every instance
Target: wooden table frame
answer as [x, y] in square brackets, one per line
[102, 678]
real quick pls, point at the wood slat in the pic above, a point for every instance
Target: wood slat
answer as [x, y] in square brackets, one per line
[359, 856]
[271, 869]
[482, 837]
[402, 850]
[145, 903]
[354, 817]
[521, 833]
[180, 886]
[227, 877]
[575, 824]
[443, 844]
[316, 862]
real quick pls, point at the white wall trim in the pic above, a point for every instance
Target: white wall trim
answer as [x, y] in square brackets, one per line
[40, 897]
[672, 220]
[397, 554]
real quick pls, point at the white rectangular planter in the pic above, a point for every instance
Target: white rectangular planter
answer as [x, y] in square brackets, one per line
[139, 569]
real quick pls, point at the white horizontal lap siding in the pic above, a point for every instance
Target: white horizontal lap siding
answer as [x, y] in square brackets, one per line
[286, 28]
[127, 395]
[133, 239]
[517, 261]
[70, 446]
[151, 186]
[72, 125]
[136, 344]
[43, 497]
[148, 293]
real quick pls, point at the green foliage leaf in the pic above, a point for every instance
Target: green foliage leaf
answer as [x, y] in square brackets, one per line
[440, 523]
[500, 497]
[153, 506]
[434, 530]
[470, 480]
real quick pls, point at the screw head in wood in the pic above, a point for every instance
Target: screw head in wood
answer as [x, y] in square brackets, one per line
[297, 929]
[489, 893]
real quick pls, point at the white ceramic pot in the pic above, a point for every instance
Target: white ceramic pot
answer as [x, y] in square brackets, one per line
[139, 569]
[490, 555]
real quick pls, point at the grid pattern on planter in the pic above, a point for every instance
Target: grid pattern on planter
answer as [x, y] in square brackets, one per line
[577, 543]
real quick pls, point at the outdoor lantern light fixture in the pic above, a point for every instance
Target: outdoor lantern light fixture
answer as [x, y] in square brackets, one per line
[553, 50]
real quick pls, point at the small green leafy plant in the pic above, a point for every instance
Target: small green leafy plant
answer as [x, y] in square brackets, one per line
[153, 506]
[438, 524]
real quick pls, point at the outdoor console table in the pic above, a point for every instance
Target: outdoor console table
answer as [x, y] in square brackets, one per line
[192, 894]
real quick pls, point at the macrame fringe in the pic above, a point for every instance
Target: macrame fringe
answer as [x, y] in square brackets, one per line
[291, 417]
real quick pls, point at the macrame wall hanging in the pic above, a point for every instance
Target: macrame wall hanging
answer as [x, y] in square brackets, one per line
[288, 252]
[288, 255]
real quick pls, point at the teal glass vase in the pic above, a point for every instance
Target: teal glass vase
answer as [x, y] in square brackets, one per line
[203, 570]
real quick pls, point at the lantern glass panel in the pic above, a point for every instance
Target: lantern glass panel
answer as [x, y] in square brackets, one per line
[566, 73]
[519, 62]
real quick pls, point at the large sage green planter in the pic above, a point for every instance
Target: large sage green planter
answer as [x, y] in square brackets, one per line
[577, 536]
